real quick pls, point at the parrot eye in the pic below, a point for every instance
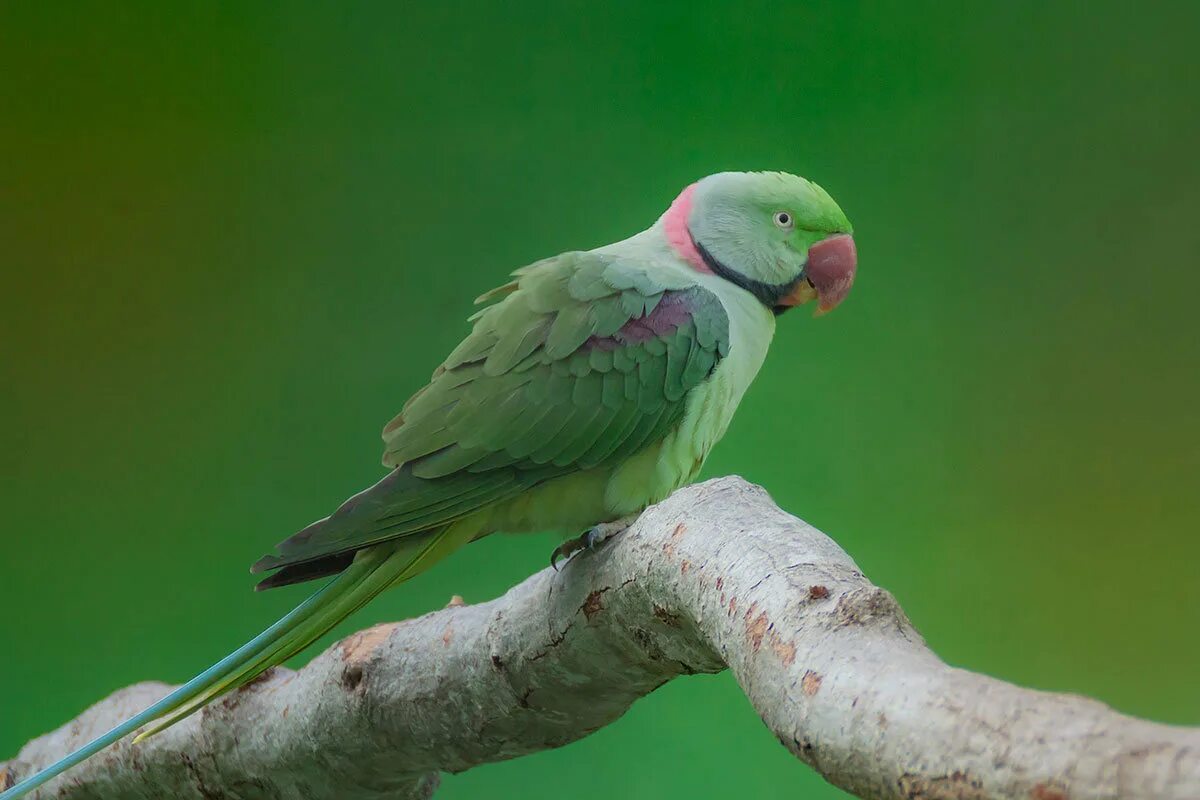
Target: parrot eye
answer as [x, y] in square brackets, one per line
[784, 220]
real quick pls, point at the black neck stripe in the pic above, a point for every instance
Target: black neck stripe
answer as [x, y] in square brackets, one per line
[769, 294]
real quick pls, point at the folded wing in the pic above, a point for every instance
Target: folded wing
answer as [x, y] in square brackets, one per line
[579, 362]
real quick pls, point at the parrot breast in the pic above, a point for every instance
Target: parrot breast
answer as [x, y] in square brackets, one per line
[676, 460]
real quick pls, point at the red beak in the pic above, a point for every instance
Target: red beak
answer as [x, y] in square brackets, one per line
[830, 269]
[829, 274]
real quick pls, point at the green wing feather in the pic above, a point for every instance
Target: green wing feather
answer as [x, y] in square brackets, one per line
[556, 376]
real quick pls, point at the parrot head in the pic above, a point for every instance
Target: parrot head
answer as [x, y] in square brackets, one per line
[778, 236]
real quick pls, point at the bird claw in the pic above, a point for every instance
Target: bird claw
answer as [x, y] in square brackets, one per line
[592, 538]
[568, 548]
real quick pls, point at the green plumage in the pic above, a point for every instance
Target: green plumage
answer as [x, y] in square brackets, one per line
[522, 400]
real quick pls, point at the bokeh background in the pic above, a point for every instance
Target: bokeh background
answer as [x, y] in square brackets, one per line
[235, 237]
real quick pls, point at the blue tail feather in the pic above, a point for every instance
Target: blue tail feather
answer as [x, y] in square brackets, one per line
[175, 699]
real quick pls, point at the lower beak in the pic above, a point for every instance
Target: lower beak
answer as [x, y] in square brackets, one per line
[828, 275]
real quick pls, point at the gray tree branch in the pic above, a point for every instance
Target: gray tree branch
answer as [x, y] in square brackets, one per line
[716, 577]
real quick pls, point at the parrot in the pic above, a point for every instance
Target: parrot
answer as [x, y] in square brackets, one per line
[591, 386]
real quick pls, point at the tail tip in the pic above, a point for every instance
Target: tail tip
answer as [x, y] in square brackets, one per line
[263, 564]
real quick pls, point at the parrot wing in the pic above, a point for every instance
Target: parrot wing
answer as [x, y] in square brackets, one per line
[580, 361]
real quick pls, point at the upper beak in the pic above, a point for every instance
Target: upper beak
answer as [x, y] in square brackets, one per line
[828, 275]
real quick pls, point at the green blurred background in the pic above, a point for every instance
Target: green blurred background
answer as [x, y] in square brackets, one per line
[235, 238]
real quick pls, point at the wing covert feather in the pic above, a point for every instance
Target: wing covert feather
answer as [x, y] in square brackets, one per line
[595, 334]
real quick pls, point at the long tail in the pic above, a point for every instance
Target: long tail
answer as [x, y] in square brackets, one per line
[372, 571]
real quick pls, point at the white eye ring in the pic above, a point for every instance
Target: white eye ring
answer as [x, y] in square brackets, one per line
[784, 220]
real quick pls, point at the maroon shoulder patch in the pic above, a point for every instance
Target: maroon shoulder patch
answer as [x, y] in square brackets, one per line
[671, 312]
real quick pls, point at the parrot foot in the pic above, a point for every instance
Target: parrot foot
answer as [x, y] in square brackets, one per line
[592, 538]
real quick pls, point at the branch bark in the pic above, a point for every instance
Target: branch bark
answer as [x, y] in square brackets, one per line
[715, 577]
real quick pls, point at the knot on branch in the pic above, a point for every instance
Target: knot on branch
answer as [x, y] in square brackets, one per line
[359, 650]
[870, 605]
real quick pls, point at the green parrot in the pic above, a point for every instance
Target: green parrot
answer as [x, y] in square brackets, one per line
[591, 385]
